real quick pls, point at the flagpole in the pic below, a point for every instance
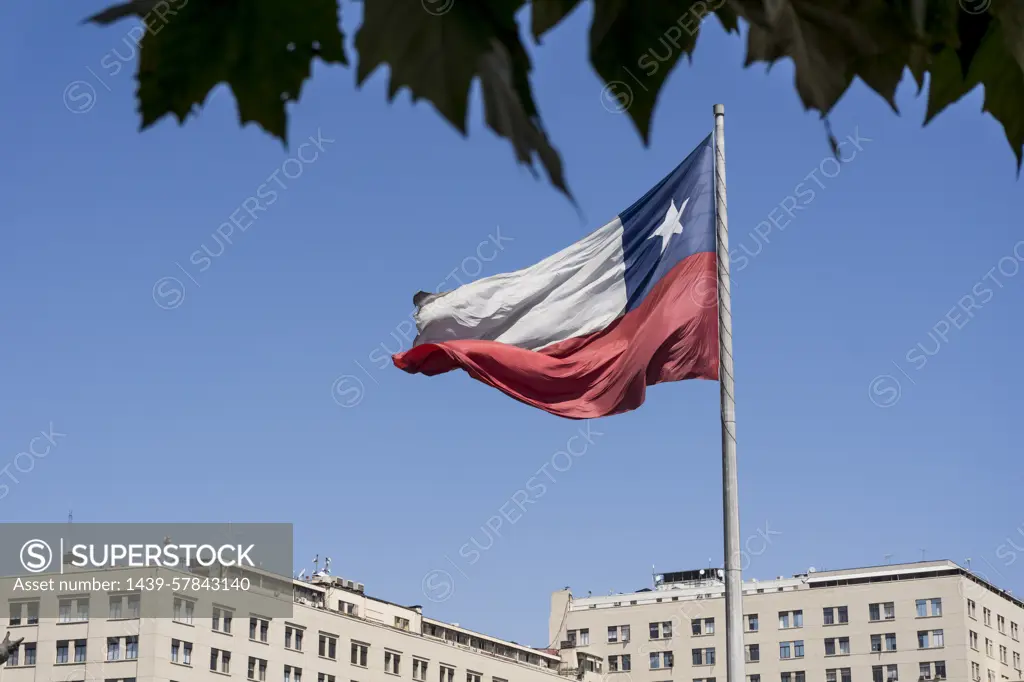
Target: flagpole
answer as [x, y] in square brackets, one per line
[734, 654]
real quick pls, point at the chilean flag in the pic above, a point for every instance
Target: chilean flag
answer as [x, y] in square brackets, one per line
[582, 333]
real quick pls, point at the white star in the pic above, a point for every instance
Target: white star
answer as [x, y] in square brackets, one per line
[672, 224]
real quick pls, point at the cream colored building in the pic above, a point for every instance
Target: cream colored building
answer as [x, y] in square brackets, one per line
[898, 622]
[336, 633]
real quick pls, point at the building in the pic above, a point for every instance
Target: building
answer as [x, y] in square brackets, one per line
[907, 622]
[335, 633]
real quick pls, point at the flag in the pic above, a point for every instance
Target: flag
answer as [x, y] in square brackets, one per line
[582, 333]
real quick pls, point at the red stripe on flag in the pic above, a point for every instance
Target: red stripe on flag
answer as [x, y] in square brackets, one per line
[671, 336]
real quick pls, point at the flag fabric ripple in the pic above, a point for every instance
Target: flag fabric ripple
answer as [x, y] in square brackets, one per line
[582, 333]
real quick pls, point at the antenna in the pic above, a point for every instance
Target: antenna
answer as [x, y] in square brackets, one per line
[968, 563]
[888, 558]
[316, 563]
[302, 574]
[922, 554]
[69, 516]
[327, 565]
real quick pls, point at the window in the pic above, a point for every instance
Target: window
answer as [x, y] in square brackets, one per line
[250, 669]
[401, 623]
[751, 619]
[79, 651]
[929, 639]
[15, 610]
[359, 654]
[835, 615]
[328, 646]
[472, 676]
[263, 626]
[661, 630]
[1002, 655]
[185, 649]
[753, 653]
[753, 678]
[702, 627]
[225, 661]
[884, 673]
[837, 646]
[975, 671]
[73, 610]
[392, 660]
[890, 642]
[222, 621]
[30, 654]
[971, 609]
[1014, 633]
[323, 677]
[183, 610]
[348, 608]
[837, 675]
[1016, 659]
[798, 676]
[988, 647]
[124, 606]
[293, 638]
[791, 619]
[791, 649]
[1001, 624]
[618, 633]
[703, 656]
[131, 647]
[114, 649]
[619, 663]
[882, 611]
[296, 674]
[62, 651]
[419, 670]
[932, 670]
[584, 636]
[12, 661]
[987, 615]
[973, 638]
[661, 659]
[447, 673]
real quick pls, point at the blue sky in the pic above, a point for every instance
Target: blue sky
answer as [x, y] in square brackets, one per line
[262, 396]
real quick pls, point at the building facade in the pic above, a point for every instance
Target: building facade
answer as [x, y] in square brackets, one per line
[336, 633]
[908, 622]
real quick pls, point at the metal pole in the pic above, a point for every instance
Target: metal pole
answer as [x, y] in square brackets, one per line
[734, 654]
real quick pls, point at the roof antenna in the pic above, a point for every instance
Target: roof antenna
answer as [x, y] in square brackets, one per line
[888, 559]
[69, 516]
[922, 554]
[968, 563]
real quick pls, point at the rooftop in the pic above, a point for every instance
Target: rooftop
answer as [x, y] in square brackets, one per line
[708, 583]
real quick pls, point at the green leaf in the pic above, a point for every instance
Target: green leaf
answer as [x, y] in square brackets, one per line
[1010, 14]
[511, 118]
[635, 45]
[261, 48]
[729, 19]
[437, 56]
[546, 14]
[827, 42]
[133, 8]
[971, 29]
[946, 84]
[997, 68]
